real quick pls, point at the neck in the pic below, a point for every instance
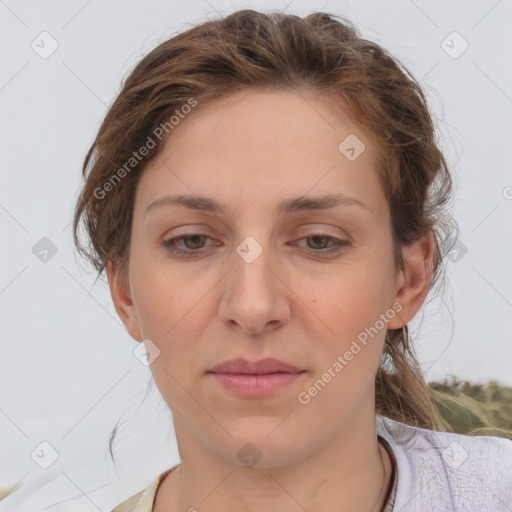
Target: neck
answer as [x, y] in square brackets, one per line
[351, 473]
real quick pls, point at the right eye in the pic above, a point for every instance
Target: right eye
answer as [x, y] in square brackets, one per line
[196, 238]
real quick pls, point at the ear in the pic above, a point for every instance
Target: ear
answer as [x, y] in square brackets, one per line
[121, 296]
[414, 282]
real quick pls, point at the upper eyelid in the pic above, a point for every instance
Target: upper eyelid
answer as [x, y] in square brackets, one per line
[310, 230]
[308, 234]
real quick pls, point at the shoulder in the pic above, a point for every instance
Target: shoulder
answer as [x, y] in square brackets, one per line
[129, 504]
[447, 471]
[143, 500]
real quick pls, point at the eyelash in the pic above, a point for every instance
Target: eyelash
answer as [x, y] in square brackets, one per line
[170, 245]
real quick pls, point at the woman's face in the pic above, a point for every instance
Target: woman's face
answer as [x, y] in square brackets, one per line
[259, 280]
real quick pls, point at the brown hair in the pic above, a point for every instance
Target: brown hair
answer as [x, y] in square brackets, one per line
[323, 53]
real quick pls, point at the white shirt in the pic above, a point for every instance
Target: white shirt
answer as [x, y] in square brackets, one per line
[441, 471]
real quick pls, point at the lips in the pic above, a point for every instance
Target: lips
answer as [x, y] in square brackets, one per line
[263, 366]
[256, 379]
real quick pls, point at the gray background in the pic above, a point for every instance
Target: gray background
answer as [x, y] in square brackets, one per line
[67, 367]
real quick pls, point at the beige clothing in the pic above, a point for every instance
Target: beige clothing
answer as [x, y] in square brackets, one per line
[144, 500]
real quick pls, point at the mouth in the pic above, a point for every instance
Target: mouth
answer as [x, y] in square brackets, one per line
[255, 379]
[265, 366]
[256, 385]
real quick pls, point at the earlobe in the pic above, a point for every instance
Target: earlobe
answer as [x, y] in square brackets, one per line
[415, 279]
[123, 303]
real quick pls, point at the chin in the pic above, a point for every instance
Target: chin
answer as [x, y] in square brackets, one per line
[264, 442]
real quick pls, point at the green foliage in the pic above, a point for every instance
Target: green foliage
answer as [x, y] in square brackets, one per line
[475, 409]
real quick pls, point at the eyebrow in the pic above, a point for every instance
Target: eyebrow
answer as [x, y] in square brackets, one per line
[286, 206]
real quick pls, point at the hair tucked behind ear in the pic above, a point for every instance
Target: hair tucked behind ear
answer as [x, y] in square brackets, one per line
[320, 52]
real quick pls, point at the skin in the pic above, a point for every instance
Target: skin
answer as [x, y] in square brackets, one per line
[250, 150]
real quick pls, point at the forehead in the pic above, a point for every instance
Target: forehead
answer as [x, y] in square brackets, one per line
[254, 147]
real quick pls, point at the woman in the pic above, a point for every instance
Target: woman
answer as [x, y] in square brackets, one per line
[269, 204]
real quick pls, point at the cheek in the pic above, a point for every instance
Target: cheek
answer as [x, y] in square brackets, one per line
[170, 314]
[173, 312]
[350, 312]
[162, 296]
[348, 341]
[346, 298]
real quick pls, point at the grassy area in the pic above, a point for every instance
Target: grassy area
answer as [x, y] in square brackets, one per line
[475, 409]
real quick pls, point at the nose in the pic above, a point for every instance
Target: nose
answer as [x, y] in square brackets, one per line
[254, 296]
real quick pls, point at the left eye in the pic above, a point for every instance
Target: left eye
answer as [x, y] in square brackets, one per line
[198, 240]
[336, 242]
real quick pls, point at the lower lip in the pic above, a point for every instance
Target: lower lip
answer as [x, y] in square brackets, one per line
[256, 386]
